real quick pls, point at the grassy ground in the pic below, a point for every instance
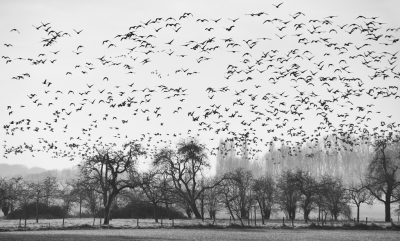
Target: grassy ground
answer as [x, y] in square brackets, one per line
[88, 223]
[197, 234]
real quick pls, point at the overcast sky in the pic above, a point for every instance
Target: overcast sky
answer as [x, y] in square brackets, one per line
[157, 71]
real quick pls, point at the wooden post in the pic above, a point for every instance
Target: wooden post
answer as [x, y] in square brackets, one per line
[161, 221]
[354, 221]
[292, 221]
[283, 221]
[63, 222]
[230, 221]
[19, 222]
[366, 220]
[137, 222]
[172, 222]
[100, 223]
[25, 222]
[94, 219]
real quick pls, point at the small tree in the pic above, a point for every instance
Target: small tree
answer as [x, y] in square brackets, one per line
[288, 194]
[42, 190]
[152, 186]
[309, 187]
[240, 197]
[9, 191]
[359, 194]
[336, 197]
[67, 195]
[264, 192]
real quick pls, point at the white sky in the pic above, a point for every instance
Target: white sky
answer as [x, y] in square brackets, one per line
[104, 20]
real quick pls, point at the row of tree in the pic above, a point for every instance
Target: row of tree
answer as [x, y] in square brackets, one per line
[109, 178]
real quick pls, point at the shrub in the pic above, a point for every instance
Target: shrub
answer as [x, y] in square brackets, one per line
[45, 212]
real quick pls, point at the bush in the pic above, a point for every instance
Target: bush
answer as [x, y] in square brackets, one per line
[45, 212]
[142, 211]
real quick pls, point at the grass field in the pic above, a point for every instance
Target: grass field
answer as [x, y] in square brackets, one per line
[196, 234]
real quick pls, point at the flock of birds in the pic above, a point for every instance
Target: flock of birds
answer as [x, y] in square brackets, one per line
[319, 75]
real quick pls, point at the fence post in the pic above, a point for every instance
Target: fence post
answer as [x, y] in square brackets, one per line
[25, 222]
[230, 220]
[19, 222]
[137, 222]
[366, 220]
[283, 221]
[292, 221]
[63, 222]
[161, 221]
[100, 223]
[172, 222]
[94, 219]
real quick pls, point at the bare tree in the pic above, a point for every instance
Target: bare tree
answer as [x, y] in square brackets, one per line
[9, 191]
[309, 187]
[80, 192]
[382, 178]
[359, 194]
[185, 167]
[152, 186]
[213, 198]
[68, 195]
[288, 194]
[264, 192]
[42, 191]
[336, 197]
[240, 196]
[111, 171]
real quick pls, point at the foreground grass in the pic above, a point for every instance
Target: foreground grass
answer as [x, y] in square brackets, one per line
[201, 234]
[90, 224]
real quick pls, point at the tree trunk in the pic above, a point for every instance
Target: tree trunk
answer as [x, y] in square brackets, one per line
[166, 206]
[37, 211]
[387, 210]
[202, 209]
[195, 211]
[306, 214]
[358, 213]
[267, 213]
[107, 208]
[189, 213]
[155, 212]
[107, 213]
[230, 212]
[80, 208]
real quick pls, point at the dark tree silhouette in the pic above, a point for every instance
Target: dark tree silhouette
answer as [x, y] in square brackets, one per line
[382, 178]
[264, 191]
[185, 167]
[359, 194]
[111, 172]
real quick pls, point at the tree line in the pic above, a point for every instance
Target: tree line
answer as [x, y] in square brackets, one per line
[108, 180]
